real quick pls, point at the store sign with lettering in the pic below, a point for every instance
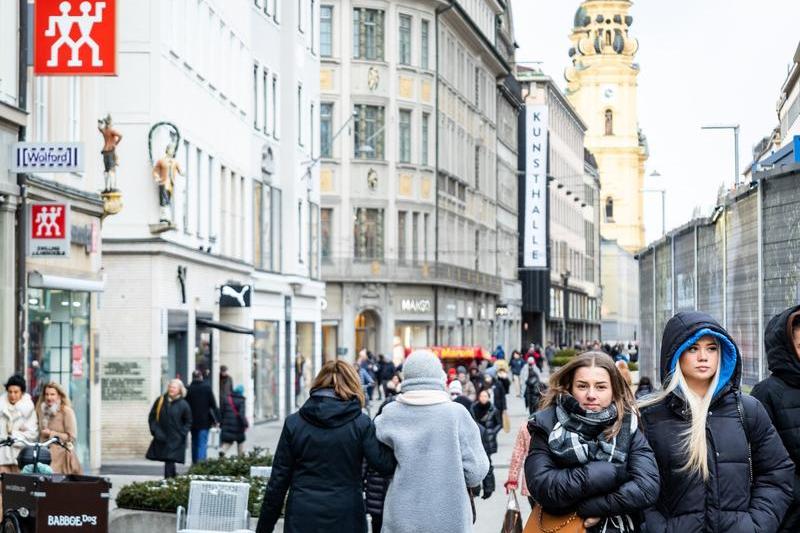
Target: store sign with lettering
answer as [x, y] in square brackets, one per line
[535, 216]
[415, 305]
[48, 223]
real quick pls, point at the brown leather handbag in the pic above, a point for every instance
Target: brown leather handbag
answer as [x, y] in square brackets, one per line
[542, 522]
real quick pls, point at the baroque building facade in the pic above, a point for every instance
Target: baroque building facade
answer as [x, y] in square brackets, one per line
[417, 180]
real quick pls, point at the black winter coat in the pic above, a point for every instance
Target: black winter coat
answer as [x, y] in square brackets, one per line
[234, 421]
[490, 422]
[533, 391]
[169, 429]
[598, 488]
[204, 405]
[780, 395]
[319, 462]
[729, 502]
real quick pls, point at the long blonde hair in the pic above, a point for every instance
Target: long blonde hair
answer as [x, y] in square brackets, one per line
[61, 393]
[694, 438]
[342, 378]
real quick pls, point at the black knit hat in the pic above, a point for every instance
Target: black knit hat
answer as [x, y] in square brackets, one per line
[16, 381]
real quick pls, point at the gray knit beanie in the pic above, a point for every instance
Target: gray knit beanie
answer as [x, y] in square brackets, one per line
[423, 371]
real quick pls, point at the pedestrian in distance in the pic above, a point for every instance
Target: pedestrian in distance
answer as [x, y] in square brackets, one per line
[439, 453]
[225, 382]
[534, 388]
[234, 421]
[457, 394]
[588, 458]
[17, 420]
[386, 371]
[467, 387]
[205, 414]
[723, 466]
[319, 459]
[490, 421]
[516, 364]
[476, 378]
[645, 387]
[57, 419]
[624, 371]
[170, 422]
[780, 395]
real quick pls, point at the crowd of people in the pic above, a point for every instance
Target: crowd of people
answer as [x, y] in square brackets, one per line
[695, 454]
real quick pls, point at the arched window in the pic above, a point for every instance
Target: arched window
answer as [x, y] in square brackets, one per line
[609, 122]
[609, 209]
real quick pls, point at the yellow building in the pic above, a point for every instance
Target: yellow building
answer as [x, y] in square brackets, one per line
[602, 86]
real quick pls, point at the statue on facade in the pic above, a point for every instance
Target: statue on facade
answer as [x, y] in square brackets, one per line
[111, 138]
[165, 171]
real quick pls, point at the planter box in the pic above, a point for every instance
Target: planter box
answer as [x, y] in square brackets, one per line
[127, 520]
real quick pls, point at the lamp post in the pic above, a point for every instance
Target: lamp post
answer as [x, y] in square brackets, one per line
[663, 192]
[735, 128]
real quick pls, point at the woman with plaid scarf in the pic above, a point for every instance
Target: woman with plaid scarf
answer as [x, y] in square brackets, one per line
[588, 459]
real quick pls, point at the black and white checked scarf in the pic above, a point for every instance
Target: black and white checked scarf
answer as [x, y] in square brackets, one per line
[577, 437]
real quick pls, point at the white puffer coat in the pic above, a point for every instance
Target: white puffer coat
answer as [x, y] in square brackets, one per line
[18, 421]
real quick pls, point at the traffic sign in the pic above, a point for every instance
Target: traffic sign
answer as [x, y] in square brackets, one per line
[75, 37]
[47, 157]
[49, 229]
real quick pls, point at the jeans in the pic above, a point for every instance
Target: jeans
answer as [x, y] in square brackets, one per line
[199, 445]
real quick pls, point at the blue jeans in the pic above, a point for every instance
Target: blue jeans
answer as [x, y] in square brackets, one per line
[199, 445]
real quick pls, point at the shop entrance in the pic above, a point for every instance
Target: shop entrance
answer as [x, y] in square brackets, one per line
[367, 324]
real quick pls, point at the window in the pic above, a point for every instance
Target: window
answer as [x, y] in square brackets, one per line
[266, 227]
[74, 109]
[425, 138]
[187, 183]
[199, 186]
[368, 234]
[368, 34]
[311, 18]
[40, 104]
[325, 130]
[255, 96]
[313, 241]
[609, 209]
[326, 31]
[425, 226]
[415, 238]
[274, 105]
[404, 40]
[477, 167]
[300, 115]
[258, 225]
[265, 98]
[477, 249]
[424, 46]
[300, 15]
[211, 234]
[609, 122]
[311, 130]
[401, 237]
[368, 136]
[326, 232]
[300, 232]
[404, 155]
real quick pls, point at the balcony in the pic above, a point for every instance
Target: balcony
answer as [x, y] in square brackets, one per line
[349, 269]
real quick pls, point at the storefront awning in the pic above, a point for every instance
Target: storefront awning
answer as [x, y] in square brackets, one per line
[223, 326]
[37, 280]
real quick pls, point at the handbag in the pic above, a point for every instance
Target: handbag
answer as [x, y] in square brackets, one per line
[213, 438]
[512, 523]
[543, 522]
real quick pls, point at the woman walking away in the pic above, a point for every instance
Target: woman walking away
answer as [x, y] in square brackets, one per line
[17, 420]
[645, 387]
[57, 419]
[234, 421]
[439, 453]
[588, 459]
[533, 389]
[319, 459]
[170, 422]
[516, 364]
[723, 466]
[490, 421]
[780, 395]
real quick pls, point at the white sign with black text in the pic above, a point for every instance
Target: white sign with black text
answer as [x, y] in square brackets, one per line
[47, 157]
[535, 217]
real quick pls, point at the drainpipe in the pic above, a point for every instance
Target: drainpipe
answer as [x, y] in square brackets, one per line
[439, 11]
[22, 218]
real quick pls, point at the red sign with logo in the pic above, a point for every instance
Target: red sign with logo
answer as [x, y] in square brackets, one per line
[49, 221]
[77, 360]
[75, 37]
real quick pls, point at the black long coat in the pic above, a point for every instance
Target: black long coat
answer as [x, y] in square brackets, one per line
[169, 430]
[319, 462]
[598, 488]
[780, 395]
[728, 502]
[234, 421]
[204, 405]
[490, 423]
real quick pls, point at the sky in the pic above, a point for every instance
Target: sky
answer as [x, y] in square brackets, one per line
[702, 62]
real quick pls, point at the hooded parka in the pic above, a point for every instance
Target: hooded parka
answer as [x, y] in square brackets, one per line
[741, 442]
[780, 395]
[319, 462]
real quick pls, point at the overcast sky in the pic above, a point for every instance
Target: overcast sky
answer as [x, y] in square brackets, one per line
[702, 62]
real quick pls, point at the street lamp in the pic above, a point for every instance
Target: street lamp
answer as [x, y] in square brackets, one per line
[663, 192]
[735, 128]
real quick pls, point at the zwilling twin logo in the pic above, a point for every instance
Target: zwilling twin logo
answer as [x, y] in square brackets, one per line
[47, 157]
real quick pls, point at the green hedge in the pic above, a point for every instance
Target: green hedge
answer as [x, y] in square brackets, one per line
[167, 494]
[633, 367]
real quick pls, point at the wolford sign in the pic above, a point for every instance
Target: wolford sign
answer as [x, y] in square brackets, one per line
[47, 157]
[535, 216]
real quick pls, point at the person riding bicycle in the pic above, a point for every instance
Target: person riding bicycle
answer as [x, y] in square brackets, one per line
[17, 420]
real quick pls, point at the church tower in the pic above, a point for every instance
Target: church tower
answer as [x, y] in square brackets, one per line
[601, 84]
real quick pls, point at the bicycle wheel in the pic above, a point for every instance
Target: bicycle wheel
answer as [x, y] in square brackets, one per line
[11, 523]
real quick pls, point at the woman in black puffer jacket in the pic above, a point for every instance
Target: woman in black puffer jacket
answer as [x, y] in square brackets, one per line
[587, 458]
[490, 422]
[234, 421]
[780, 395]
[723, 466]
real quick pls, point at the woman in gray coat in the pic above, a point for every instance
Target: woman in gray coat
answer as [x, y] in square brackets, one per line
[438, 450]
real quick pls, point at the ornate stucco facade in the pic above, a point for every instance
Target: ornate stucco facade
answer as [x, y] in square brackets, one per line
[602, 85]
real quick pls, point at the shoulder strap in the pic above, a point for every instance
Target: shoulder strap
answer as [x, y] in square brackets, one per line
[233, 406]
[159, 406]
[743, 418]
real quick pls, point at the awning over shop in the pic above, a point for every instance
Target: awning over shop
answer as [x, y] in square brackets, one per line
[223, 326]
[37, 280]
